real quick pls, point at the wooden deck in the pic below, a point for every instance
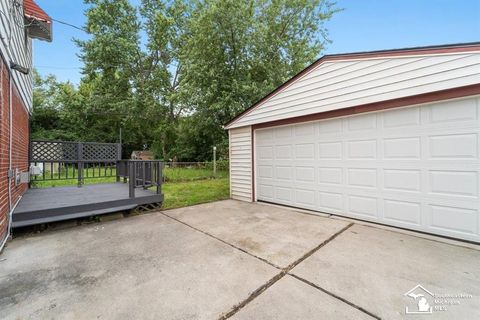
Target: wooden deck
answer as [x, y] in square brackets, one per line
[42, 205]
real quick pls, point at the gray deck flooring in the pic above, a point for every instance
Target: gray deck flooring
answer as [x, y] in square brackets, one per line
[43, 205]
[58, 197]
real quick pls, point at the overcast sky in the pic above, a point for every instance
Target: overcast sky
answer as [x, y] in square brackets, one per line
[363, 26]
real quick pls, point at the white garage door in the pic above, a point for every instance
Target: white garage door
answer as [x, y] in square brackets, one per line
[415, 167]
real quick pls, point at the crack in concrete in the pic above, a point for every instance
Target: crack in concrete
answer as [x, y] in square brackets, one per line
[279, 276]
[335, 296]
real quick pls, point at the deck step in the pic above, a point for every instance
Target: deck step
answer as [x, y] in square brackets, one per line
[40, 220]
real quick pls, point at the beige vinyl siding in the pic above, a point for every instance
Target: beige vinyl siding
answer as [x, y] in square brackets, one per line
[241, 163]
[342, 84]
[16, 47]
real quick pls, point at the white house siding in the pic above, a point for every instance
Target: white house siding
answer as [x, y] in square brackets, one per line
[16, 47]
[241, 163]
[341, 84]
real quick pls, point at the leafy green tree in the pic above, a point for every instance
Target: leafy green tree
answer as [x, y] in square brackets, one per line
[160, 87]
[171, 73]
[55, 113]
[112, 57]
[238, 51]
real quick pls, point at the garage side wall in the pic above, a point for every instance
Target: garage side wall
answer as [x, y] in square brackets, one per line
[241, 163]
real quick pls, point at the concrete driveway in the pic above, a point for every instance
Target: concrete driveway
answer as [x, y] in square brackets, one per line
[236, 260]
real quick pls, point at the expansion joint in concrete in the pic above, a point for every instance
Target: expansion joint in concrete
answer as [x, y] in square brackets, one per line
[336, 296]
[279, 276]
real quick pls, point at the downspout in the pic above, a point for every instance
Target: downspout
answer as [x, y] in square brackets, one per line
[9, 224]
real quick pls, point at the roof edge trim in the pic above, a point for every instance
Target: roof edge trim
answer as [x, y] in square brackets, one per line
[437, 49]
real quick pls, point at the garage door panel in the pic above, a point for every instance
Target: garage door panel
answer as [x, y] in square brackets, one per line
[305, 151]
[402, 180]
[264, 136]
[330, 150]
[402, 148]
[454, 146]
[362, 206]
[416, 167]
[330, 175]
[283, 132]
[284, 152]
[265, 171]
[331, 200]
[331, 188]
[265, 191]
[264, 152]
[305, 174]
[362, 177]
[305, 197]
[284, 194]
[453, 111]
[362, 149]
[277, 183]
[456, 183]
[305, 130]
[284, 173]
[327, 128]
[454, 220]
[404, 212]
[402, 118]
[362, 122]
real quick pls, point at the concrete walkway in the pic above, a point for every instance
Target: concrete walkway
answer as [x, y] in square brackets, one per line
[235, 260]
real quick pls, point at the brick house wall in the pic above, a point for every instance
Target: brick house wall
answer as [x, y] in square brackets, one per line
[20, 143]
[16, 50]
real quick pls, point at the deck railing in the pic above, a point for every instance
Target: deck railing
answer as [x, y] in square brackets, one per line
[64, 160]
[78, 170]
[140, 174]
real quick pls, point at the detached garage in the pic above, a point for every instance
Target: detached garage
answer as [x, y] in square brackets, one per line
[390, 137]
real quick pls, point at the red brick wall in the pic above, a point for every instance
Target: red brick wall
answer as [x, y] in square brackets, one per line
[20, 137]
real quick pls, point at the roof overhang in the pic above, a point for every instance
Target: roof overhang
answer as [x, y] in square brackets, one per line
[430, 50]
[37, 23]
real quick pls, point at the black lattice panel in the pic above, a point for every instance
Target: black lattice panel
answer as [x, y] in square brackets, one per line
[73, 151]
[94, 151]
[53, 151]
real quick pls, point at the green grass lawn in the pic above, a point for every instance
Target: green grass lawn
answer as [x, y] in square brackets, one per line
[182, 194]
[183, 186]
[170, 175]
[70, 182]
[190, 174]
